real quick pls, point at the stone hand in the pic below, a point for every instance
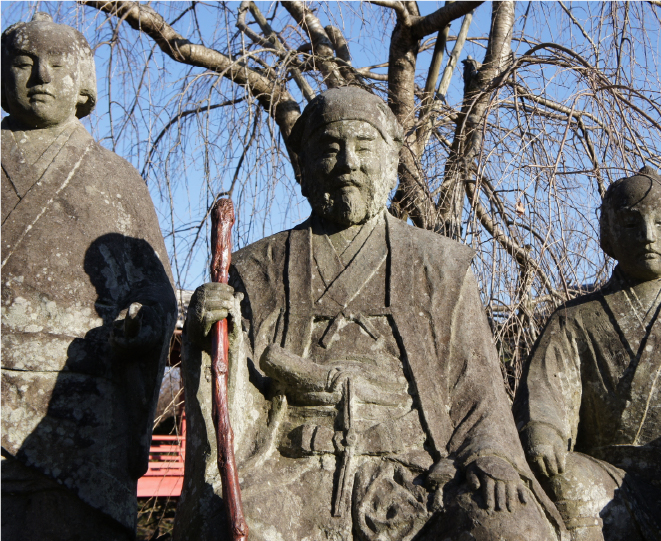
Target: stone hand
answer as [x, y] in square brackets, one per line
[501, 485]
[210, 303]
[370, 385]
[138, 327]
[545, 449]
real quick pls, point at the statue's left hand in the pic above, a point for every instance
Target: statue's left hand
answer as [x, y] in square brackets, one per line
[138, 327]
[501, 485]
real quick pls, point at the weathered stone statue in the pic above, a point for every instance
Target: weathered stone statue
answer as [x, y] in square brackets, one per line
[87, 302]
[365, 391]
[589, 405]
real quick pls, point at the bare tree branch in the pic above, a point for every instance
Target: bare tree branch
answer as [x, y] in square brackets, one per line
[399, 8]
[272, 38]
[145, 19]
[423, 26]
[321, 44]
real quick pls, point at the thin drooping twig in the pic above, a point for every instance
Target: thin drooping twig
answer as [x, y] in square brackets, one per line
[178, 118]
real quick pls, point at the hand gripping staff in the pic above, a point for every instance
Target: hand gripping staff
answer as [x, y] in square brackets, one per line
[222, 220]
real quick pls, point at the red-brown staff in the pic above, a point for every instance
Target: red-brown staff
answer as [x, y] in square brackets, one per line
[222, 220]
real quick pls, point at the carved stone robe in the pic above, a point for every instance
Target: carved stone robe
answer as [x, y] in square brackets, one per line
[595, 377]
[400, 304]
[80, 243]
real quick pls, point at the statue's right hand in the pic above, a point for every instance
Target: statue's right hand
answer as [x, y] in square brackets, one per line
[210, 303]
[545, 449]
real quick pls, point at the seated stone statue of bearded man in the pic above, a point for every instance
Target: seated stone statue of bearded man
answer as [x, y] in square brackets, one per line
[365, 391]
[589, 404]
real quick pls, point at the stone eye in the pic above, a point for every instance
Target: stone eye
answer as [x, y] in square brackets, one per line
[22, 62]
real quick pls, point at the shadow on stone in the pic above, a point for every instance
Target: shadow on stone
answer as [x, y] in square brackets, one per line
[97, 411]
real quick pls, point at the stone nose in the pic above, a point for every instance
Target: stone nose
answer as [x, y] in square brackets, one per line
[649, 232]
[42, 71]
[348, 159]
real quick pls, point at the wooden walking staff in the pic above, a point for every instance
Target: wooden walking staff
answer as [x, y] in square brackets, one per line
[222, 220]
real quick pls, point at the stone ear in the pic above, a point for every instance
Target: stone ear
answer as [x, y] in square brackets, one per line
[395, 165]
[3, 101]
[300, 177]
[605, 233]
[605, 246]
[304, 191]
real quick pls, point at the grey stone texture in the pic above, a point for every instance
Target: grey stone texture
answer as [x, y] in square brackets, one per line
[364, 387]
[87, 308]
[589, 405]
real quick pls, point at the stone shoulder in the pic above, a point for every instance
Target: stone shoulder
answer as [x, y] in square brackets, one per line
[441, 250]
[437, 249]
[116, 164]
[588, 302]
[261, 249]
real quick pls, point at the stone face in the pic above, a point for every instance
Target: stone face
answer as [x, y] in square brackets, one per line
[365, 392]
[87, 302]
[589, 405]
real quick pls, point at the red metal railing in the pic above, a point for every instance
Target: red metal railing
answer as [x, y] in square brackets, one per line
[165, 476]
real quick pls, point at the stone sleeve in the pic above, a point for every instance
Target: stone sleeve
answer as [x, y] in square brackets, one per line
[478, 405]
[550, 390]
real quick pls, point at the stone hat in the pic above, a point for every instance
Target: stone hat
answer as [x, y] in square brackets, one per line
[612, 193]
[79, 45]
[345, 103]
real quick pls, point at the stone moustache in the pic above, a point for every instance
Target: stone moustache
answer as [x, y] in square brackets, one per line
[589, 405]
[87, 301]
[364, 387]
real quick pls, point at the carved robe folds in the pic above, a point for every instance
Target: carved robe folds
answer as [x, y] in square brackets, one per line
[80, 243]
[594, 379]
[357, 368]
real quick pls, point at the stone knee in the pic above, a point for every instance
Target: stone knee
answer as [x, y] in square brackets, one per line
[581, 493]
[465, 517]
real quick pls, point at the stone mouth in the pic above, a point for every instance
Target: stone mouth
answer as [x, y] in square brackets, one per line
[39, 93]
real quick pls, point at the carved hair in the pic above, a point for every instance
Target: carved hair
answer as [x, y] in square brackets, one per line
[345, 103]
[611, 196]
[86, 67]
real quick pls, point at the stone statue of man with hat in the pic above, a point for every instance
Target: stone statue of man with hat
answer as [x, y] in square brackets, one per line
[87, 301]
[365, 391]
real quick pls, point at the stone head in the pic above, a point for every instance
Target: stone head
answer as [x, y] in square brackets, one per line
[630, 224]
[347, 141]
[48, 74]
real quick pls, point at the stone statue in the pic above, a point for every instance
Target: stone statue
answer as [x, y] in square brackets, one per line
[589, 405]
[365, 392]
[87, 302]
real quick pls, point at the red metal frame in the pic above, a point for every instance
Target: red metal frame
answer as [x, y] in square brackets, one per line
[165, 476]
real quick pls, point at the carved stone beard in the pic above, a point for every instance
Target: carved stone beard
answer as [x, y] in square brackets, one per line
[346, 207]
[351, 205]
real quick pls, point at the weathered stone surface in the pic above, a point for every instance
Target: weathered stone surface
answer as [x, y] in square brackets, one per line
[365, 392]
[87, 302]
[589, 405]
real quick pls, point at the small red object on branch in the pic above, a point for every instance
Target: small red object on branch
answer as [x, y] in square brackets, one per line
[222, 220]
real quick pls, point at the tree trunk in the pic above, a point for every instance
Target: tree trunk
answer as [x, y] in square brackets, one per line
[468, 134]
